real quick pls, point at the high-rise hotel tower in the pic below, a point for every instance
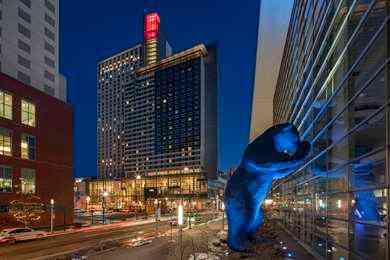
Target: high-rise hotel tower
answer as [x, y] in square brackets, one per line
[157, 114]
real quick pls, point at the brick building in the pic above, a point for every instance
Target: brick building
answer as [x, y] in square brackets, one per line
[35, 151]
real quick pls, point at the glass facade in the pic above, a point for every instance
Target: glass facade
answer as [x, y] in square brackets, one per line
[28, 113]
[334, 86]
[177, 115]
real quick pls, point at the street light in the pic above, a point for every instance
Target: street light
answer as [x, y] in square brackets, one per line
[223, 215]
[156, 202]
[105, 195]
[180, 218]
[51, 214]
[138, 177]
[87, 199]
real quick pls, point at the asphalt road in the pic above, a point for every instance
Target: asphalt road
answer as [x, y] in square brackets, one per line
[53, 247]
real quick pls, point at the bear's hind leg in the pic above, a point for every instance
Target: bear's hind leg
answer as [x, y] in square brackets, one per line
[237, 230]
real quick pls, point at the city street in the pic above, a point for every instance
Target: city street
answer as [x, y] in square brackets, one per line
[86, 239]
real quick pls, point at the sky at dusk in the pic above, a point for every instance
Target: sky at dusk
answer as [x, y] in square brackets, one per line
[93, 30]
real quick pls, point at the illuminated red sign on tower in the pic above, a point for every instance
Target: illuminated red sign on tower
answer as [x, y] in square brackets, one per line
[152, 26]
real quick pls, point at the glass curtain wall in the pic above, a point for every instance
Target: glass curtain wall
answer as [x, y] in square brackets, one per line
[334, 86]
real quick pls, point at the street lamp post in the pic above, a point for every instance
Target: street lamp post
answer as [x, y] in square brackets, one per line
[105, 194]
[138, 177]
[223, 215]
[51, 215]
[180, 218]
[190, 213]
[156, 202]
[87, 200]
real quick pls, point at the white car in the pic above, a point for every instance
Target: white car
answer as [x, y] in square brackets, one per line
[142, 243]
[20, 234]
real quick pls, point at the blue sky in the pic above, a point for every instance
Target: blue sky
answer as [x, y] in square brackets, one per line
[93, 30]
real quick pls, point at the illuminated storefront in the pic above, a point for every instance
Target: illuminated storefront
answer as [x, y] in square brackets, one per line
[127, 194]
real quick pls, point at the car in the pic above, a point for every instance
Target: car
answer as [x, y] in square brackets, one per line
[20, 234]
[142, 243]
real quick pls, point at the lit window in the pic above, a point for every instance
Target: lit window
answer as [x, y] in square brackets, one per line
[28, 113]
[28, 181]
[27, 147]
[5, 142]
[5, 105]
[5, 179]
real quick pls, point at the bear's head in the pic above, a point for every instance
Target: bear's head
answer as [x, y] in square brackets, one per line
[278, 151]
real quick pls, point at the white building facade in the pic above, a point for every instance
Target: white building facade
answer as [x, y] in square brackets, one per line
[29, 44]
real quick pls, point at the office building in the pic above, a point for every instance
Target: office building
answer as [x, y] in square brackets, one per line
[35, 152]
[333, 85]
[159, 130]
[29, 44]
[274, 17]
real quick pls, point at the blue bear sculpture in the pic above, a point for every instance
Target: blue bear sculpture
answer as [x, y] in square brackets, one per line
[275, 154]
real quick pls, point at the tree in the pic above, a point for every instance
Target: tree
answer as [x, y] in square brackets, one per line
[28, 210]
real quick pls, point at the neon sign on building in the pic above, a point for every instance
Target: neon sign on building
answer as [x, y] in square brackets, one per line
[151, 34]
[152, 26]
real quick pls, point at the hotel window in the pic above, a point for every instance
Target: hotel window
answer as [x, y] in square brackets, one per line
[50, 6]
[27, 180]
[24, 15]
[28, 113]
[50, 48]
[5, 105]
[26, 3]
[24, 62]
[23, 30]
[27, 146]
[49, 34]
[50, 20]
[49, 62]
[5, 142]
[24, 46]
[5, 179]
[49, 76]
